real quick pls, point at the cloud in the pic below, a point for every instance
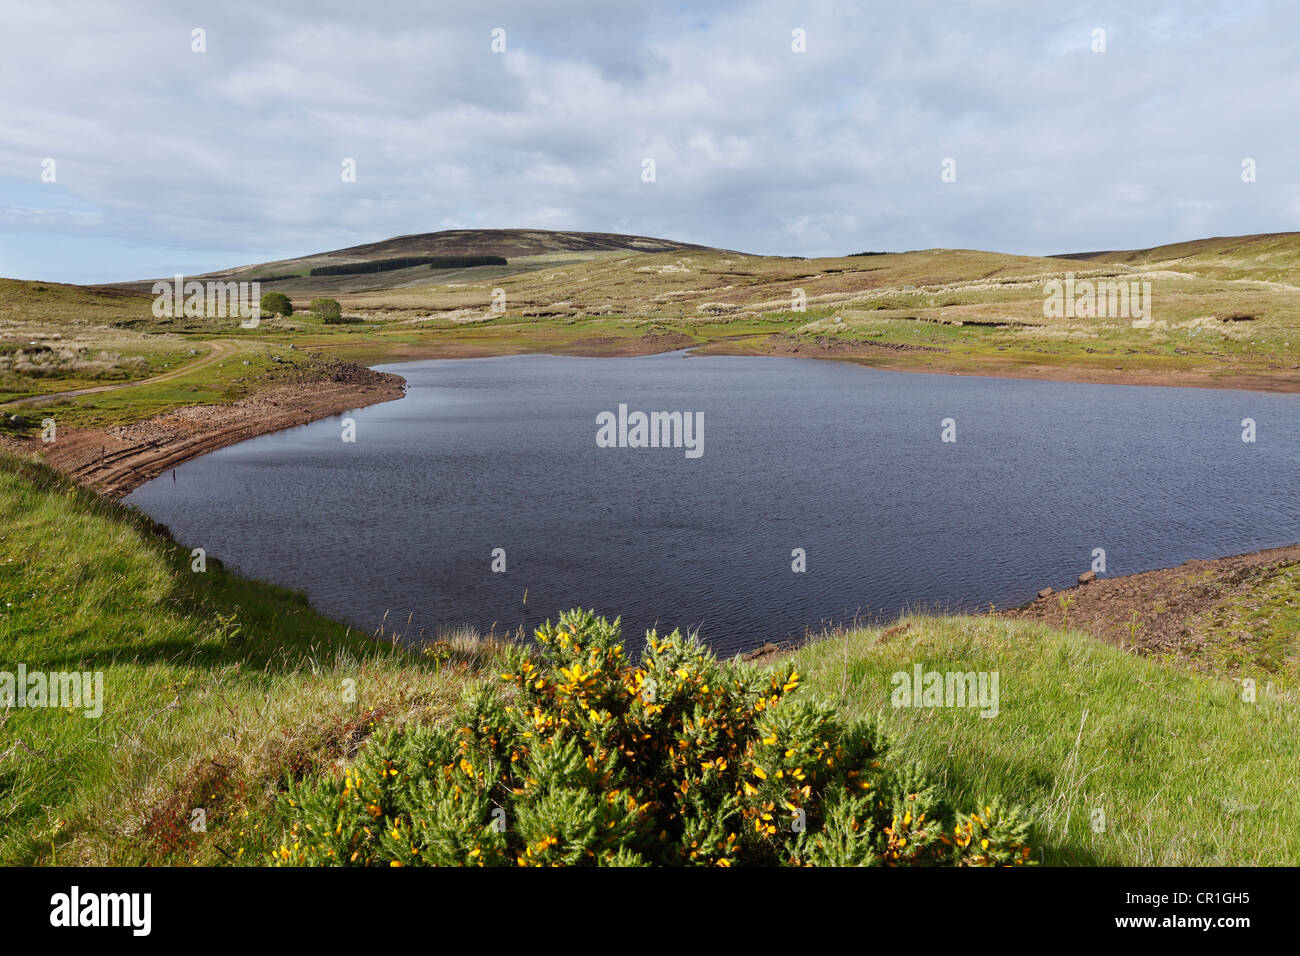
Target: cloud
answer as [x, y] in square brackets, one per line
[234, 155]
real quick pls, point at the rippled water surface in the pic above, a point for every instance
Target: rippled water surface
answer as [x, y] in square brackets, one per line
[841, 461]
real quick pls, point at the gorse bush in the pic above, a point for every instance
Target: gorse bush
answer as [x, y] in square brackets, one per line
[585, 758]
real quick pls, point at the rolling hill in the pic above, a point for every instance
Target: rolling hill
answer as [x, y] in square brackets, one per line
[1268, 257]
[525, 250]
[1272, 257]
[1225, 312]
[513, 244]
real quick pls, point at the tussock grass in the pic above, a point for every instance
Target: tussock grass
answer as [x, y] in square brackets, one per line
[62, 362]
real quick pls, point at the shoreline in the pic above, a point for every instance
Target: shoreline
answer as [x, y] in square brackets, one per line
[1172, 603]
[885, 358]
[1175, 606]
[115, 461]
[891, 359]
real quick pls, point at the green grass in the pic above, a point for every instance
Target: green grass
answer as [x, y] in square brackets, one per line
[27, 301]
[76, 357]
[1185, 771]
[1259, 630]
[215, 686]
[226, 380]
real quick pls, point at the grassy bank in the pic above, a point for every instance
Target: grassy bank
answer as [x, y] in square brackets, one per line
[219, 689]
[214, 687]
[1184, 770]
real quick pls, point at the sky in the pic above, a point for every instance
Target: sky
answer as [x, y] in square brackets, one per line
[780, 128]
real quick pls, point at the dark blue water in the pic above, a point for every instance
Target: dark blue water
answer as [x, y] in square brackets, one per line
[842, 461]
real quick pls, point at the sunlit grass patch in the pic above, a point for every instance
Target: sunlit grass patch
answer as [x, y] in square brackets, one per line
[1125, 761]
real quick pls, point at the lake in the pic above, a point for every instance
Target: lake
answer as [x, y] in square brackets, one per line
[844, 462]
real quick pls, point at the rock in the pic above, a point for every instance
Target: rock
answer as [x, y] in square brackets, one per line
[1045, 592]
[1087, 576]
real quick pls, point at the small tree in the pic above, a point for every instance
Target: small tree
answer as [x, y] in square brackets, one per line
[277, 303]
[328, 310]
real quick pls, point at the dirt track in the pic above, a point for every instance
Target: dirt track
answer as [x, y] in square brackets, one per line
[218, 350]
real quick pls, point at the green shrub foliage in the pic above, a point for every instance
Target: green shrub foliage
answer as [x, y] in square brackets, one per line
[329, 310]
[277, 303]
[583, 758]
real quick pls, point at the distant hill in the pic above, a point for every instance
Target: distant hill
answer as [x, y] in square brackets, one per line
[1273, 256]
[510, 243]
[525, 250]
[26, 300]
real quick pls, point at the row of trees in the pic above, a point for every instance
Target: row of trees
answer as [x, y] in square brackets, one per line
[387, 265]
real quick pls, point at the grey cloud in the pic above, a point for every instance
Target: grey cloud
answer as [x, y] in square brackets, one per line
[757, 147]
